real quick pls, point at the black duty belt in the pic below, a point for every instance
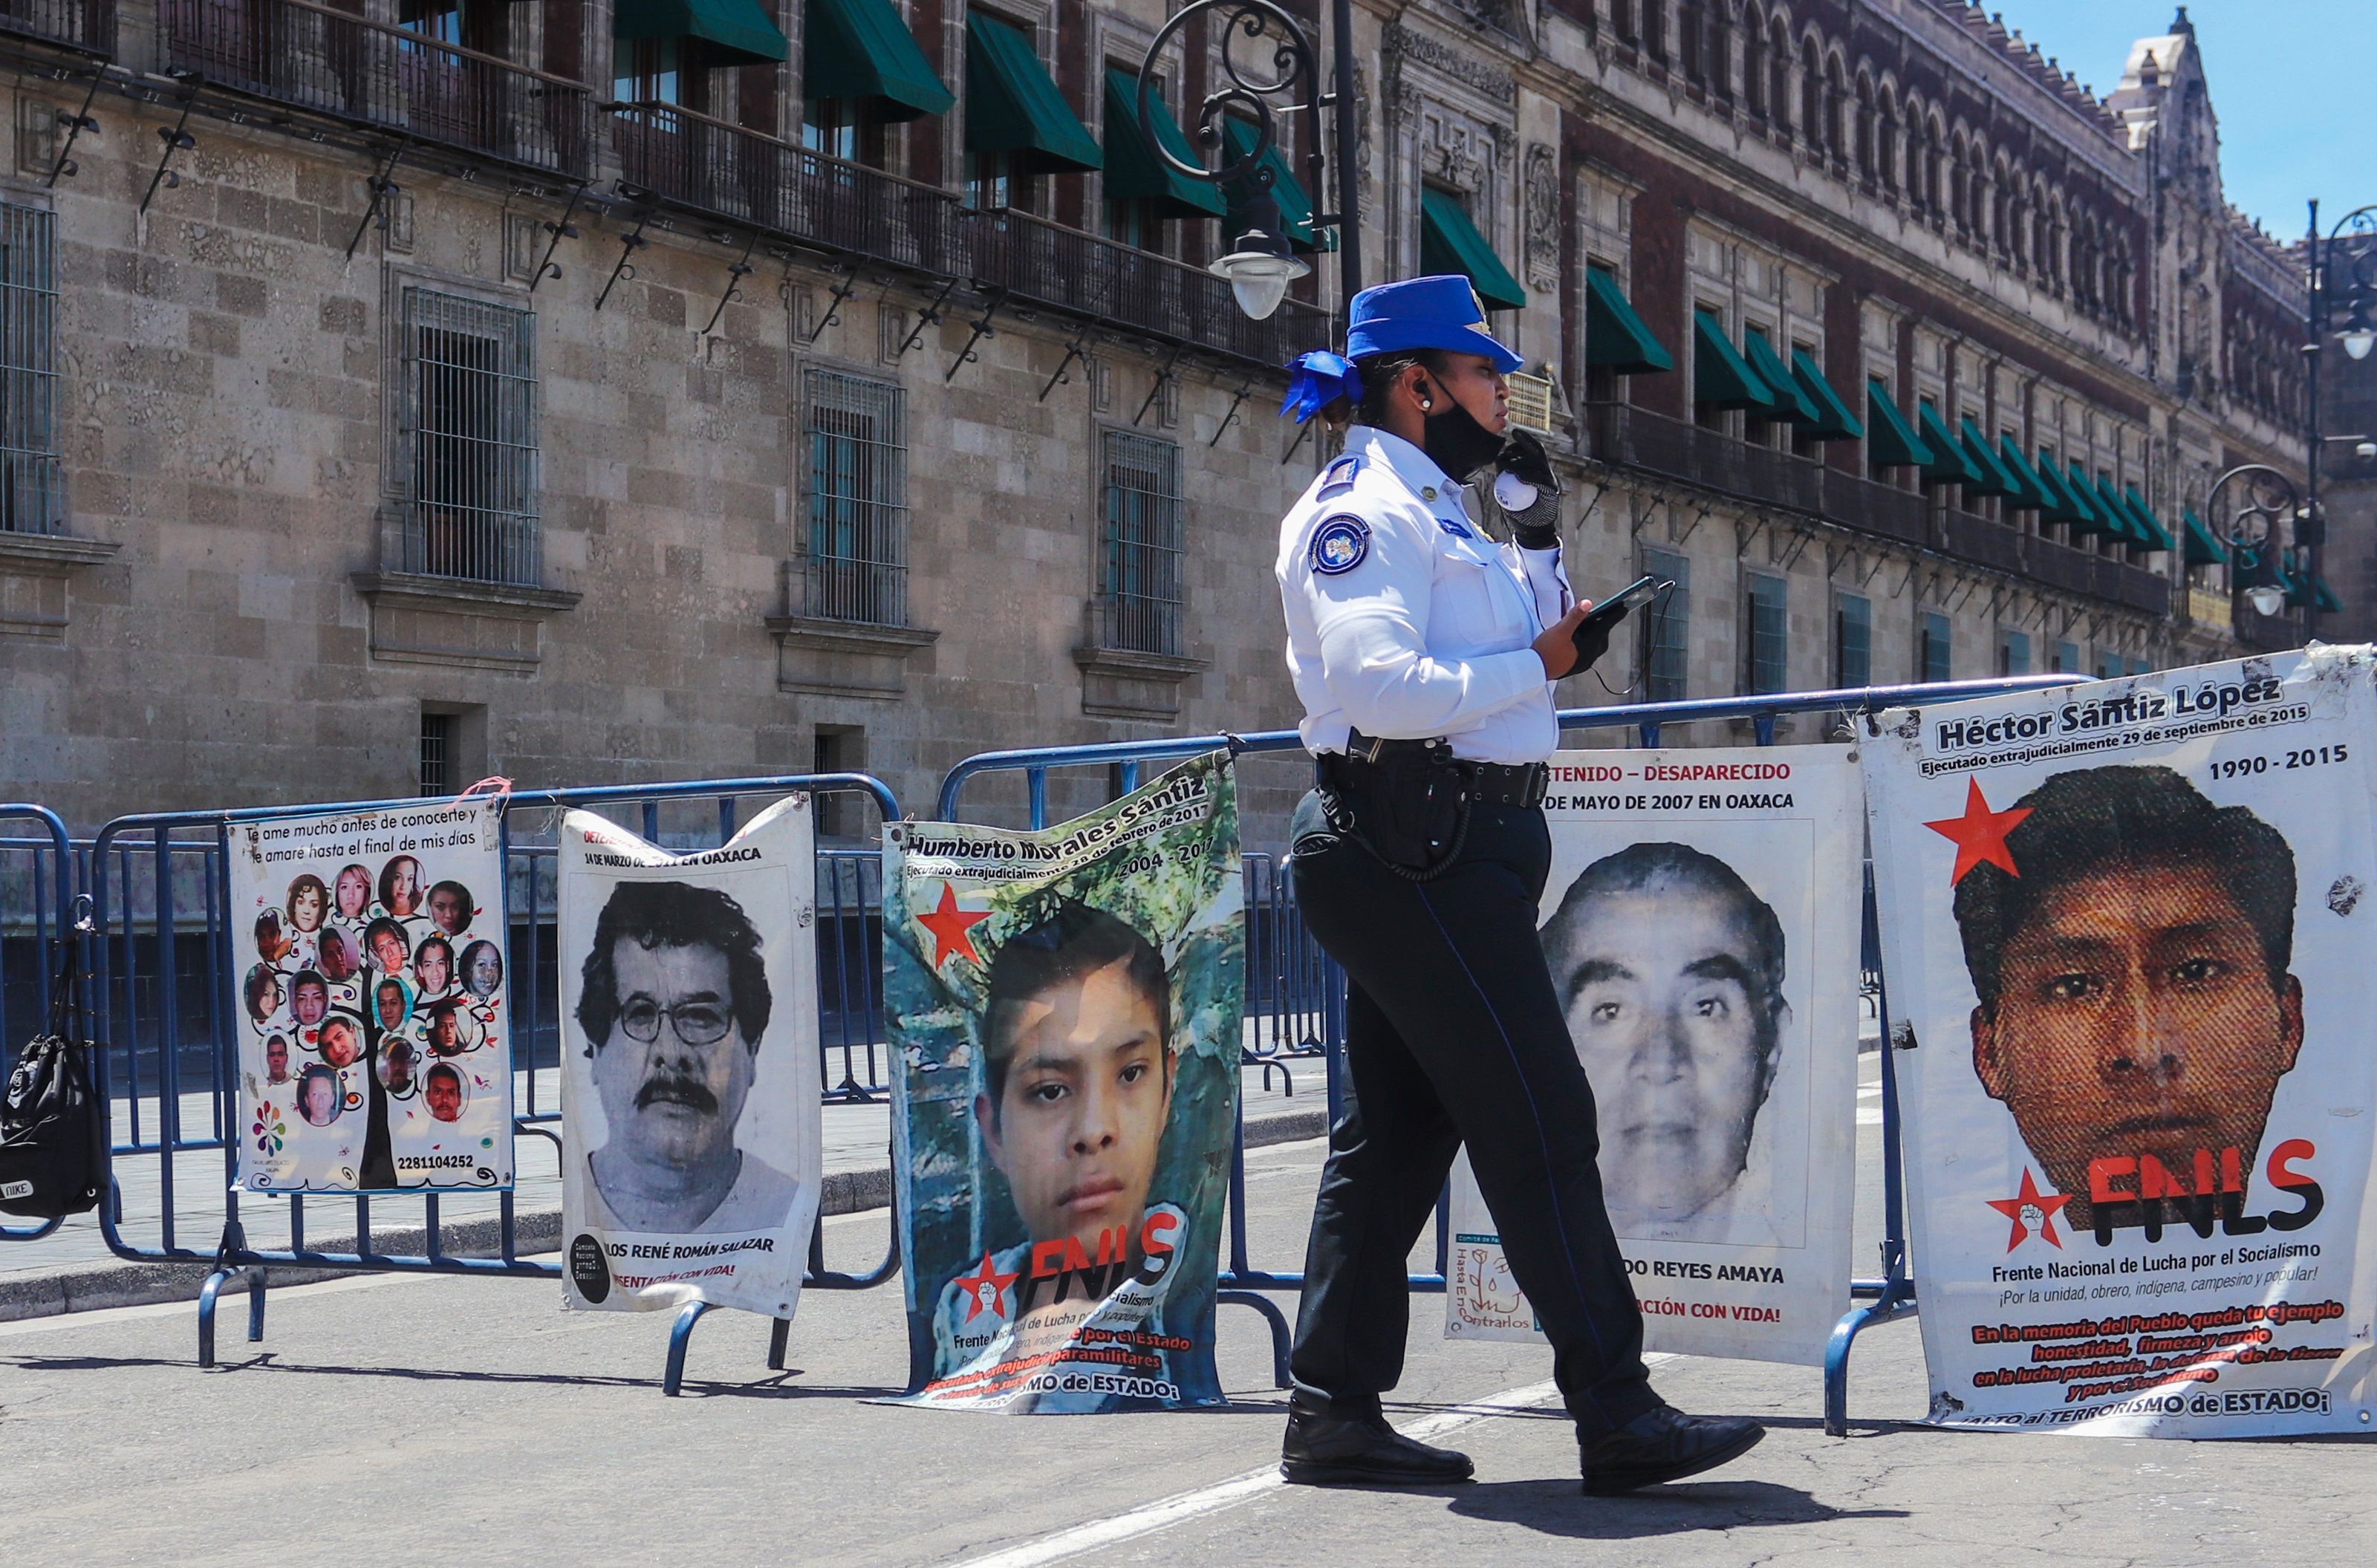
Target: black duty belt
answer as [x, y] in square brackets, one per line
[1493, 783]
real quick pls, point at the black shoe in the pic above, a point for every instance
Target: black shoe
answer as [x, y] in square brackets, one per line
[1664, 1446]
[1322, 1450]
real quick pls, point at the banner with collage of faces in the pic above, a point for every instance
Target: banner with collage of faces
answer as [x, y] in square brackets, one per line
[375, 1048]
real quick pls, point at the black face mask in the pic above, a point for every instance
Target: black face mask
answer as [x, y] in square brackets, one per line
[1456, 443]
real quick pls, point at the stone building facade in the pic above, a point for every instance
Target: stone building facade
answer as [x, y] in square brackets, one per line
[398, 391]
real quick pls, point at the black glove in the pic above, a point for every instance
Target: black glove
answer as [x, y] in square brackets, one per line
[1591, 638]
[1536, 528]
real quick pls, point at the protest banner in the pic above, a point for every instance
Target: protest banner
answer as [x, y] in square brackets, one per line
[1064, 1011]
[2126, 927]
[689, 1103]
[375, 1039]
[1700, 921]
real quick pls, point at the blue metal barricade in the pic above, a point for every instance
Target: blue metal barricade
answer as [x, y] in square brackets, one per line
[37, 889]
[165, 1012]
[1883, 1297]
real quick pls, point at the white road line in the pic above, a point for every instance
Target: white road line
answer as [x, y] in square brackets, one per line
[1167, 1511]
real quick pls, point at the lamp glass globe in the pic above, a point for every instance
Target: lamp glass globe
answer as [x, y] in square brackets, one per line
[2358, 340]
[1259, 279]
[2266, 601]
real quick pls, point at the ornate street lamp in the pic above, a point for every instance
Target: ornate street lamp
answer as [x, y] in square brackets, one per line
[2357, 295]
[2264, 496]
[1261, 263]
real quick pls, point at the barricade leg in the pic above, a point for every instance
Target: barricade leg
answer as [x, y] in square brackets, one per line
[207, 1294]
[256, 1306]
[779, 1334]
[1897, 1296]
[1279, 1331]
[680, 1334]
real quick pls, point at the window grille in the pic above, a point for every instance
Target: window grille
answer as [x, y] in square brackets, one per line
[438, 754]
[1140, 587]
[2013, 653]
[31, 497]
[1666, 629]
[1769, 616]
[856, 563]
[469, 430]
[1852, 641]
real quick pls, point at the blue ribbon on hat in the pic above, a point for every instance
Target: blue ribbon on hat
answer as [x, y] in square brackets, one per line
[1317, 379]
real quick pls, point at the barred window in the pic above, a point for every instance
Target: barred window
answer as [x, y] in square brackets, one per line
[438, 754]
[1666, 629]
[1931, 649]
[1852, 640]
[1767, 618]
[2013, 653]
[2065, 659]
[31, 501]
[857, 564]
[1139, 588]
[470, 427]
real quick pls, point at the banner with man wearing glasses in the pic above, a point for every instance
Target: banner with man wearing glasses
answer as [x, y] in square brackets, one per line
[689, 1065]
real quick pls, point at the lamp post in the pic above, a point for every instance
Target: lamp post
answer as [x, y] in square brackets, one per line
[1261, 263]
[2357, 298]
[2265, 496]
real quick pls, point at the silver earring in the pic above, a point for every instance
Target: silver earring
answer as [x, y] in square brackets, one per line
[1425, 405]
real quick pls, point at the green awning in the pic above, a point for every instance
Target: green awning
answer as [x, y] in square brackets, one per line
[1012, 105]
[2028, 491]
[1134, 171]
[2329, 604]
[862, 49]
[1295, 201]
[1720, 376]
[1833, 420]
[2063, 505]
[2083, 491]
[1614, 335]
[2109, 508]
[1948, 460]
[737, 31]
[1894, 443]
[1995, 480]
[1789, 403]
[2203, 549]
[2142, 514]
[1448, 241]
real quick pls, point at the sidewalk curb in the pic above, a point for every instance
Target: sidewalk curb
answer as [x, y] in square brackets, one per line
[118, 1283]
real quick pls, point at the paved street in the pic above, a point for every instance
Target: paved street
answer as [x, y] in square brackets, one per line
[387, 1420]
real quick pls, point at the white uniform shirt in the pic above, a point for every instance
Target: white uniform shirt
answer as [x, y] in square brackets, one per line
[1405, 621]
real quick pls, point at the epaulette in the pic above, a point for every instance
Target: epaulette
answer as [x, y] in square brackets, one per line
[1338, 477]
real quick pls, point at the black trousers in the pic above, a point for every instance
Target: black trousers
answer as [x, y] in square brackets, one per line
[1454, 1034]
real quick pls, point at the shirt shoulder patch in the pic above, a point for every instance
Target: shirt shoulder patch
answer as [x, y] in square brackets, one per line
[1340, 543]
[1338, 477]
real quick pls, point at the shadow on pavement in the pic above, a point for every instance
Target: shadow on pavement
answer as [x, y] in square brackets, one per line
[1555, 1508]
[774, 1385]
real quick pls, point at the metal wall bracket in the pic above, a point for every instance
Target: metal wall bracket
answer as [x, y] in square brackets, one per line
[1073, 351]
[1231, 412]
[735, 276]
[928, 316]
[1163, 378]
[383, 184]
[74, 124]
[980, 330]
[564, 230]
[842, 290]
[629, 243]
[178, 139]
[1302, 431]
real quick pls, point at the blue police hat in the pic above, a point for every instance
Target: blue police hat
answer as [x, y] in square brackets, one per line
[1423, 313]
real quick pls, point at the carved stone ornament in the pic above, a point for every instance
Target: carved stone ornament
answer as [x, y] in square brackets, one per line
[1542, 187]
[1482, 76]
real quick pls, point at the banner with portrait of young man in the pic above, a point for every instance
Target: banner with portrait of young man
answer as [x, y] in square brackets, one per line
[1063, 1012]
[693, 1138]
[2127, 931]
[374, 1023]
[1701, 922]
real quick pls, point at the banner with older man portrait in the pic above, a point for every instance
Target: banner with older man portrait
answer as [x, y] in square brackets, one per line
[1701, 922]
[2127, 930]
[694, 1144]
[1063, 1012]
[375, 1026]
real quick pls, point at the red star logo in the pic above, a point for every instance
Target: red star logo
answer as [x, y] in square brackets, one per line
[985, 1290]
[1980, 833]
[2047, 1204]
[950, 926]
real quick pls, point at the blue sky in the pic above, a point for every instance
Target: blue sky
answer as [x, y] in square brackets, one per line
[2293, 81]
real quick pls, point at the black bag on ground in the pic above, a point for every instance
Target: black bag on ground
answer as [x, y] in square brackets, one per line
[53, 1127]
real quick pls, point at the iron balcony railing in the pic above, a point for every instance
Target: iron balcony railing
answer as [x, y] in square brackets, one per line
[1637, 438]
[724, 170]
[390, 78]
[87, 27]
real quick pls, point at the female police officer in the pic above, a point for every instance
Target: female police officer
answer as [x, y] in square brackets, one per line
[1424, 654]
